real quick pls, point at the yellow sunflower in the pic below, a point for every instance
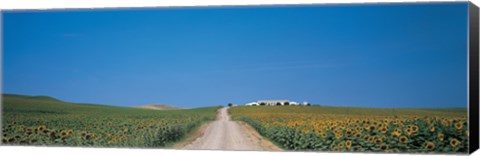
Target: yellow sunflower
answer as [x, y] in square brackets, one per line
[383, 137]
[339, 135]
[70, 132]
[358, 129]
[83, 133]
[440, 136]
[305, 131]
[324, 135]
[384, 147]
[403, 139]
[458, 126]
[397, 130]
[370, 139]
[41, 128]
[454, 142]
[414, 128]
[348, 132]
[429, 145]
[340, 145]
[366, 138]
[94, 136]
[383, 130]
[348, 144]
[63, 133]
[358, 135]
[409, 131]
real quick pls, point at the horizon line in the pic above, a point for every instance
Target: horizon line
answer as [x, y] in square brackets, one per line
[312, 104]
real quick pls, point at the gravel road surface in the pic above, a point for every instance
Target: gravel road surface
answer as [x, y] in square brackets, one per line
[225, 134]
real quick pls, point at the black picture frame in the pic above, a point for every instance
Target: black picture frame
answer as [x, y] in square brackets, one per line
[473, 76]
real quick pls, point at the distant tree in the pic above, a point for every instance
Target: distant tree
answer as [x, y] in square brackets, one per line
[286, 103]
[263, 104]
[254, 105]
[279, 104]
[230, 104]
[308, 104]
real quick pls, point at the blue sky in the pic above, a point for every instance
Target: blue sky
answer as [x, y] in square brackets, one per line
[388, 55]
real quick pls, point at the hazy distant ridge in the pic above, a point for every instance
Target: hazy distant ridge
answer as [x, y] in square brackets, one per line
[158, 107]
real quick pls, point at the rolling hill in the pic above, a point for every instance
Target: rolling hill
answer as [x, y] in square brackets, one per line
[44, 120]
[158, 107]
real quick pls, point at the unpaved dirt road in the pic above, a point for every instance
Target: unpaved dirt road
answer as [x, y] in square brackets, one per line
[224, 134]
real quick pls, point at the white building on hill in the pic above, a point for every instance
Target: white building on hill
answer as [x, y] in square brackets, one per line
[275, 103]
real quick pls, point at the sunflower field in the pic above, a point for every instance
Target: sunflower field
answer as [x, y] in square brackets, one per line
[28, 120]
[359, 129]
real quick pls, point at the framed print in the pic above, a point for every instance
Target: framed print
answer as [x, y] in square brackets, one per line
[355, 78]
